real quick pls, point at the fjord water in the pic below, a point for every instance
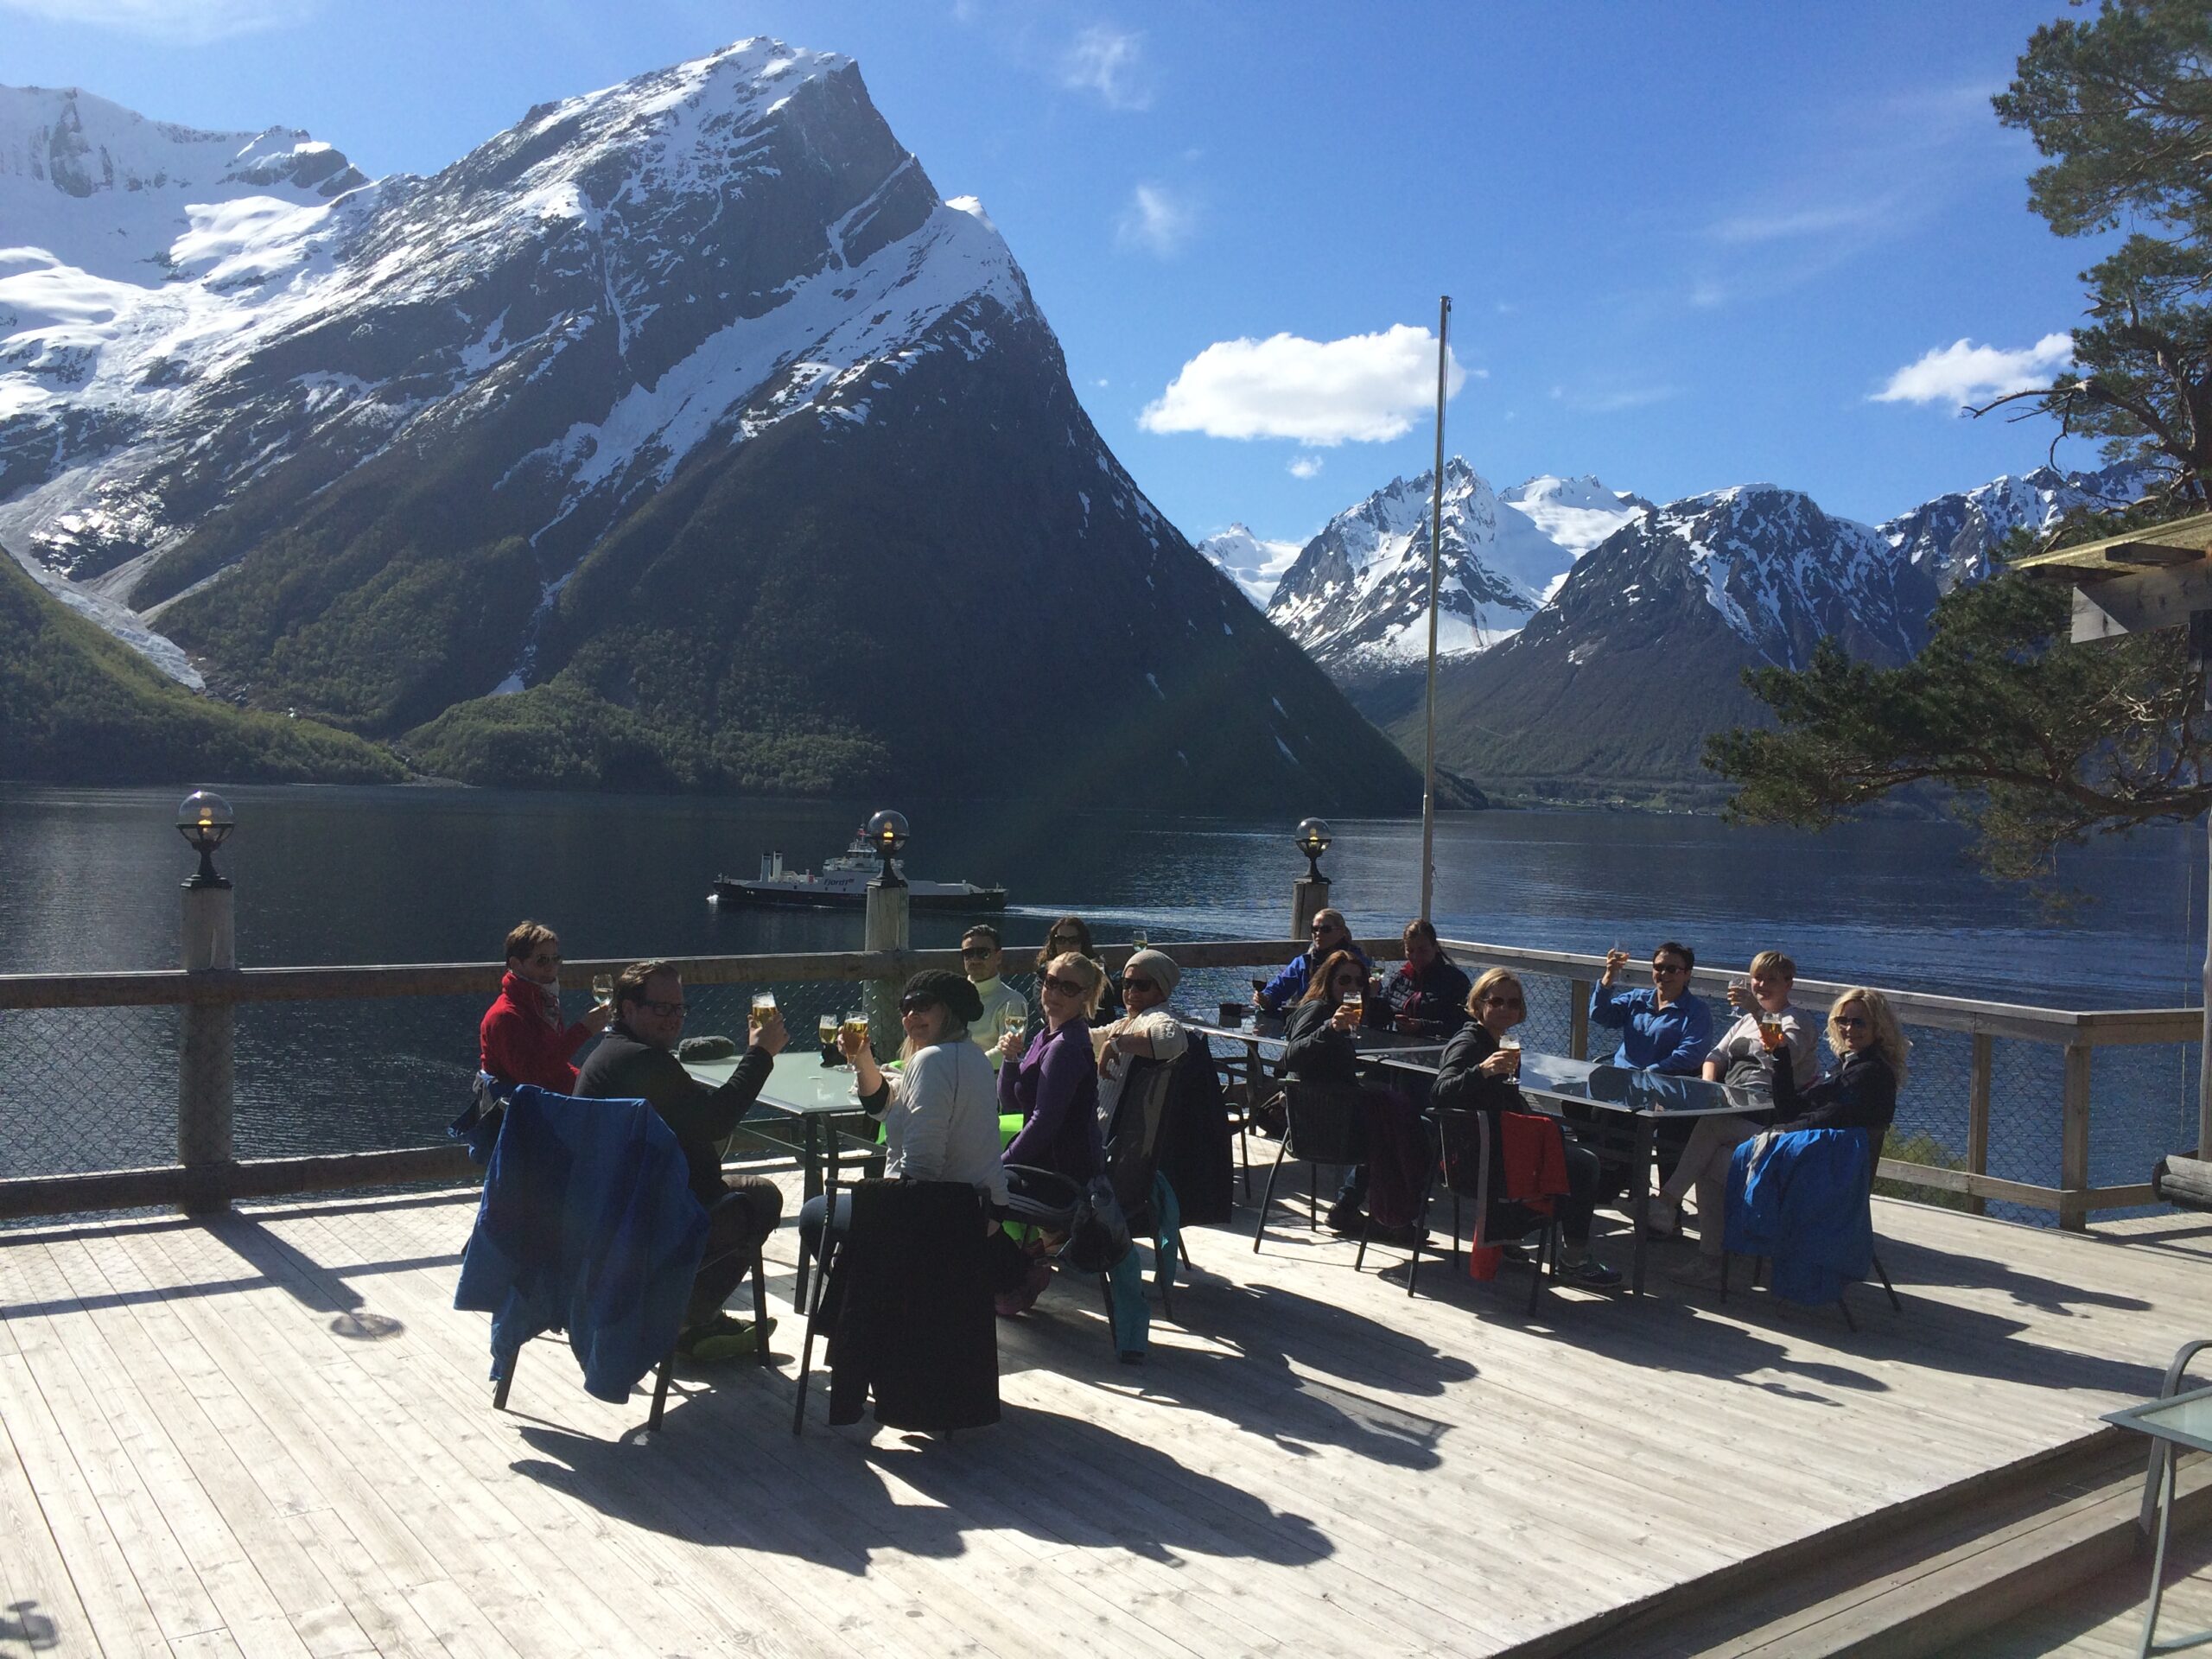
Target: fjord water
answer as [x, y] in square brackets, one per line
[366, 875]
[399, 875]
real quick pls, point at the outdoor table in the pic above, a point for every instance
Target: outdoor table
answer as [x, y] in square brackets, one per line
[2173, 1422]
[1637, 1101]
[1255, 1030]
[815, 1096]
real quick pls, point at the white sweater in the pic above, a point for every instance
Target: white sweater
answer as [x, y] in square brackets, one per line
[942, 1121]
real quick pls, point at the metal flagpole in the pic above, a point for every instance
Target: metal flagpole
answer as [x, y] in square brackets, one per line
[1435, 554]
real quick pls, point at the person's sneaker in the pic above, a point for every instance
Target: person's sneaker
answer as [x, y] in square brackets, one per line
[723, 1338]
[1589, 1274]
[1346, 1218]
[1661, 1220]
[1701, 1272]
[1011, 1304]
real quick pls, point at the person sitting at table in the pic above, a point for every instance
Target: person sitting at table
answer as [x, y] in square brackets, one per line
[1476, 1075]
[1738, 1059]
[1053, 1086]
[939, 1110]
[521, 1038]
[1427, 996]
[1073, 933]
[636, 1060]
[1147, 1032]
[984, 960]
[1665, 1028]
[1329, 933]
[1383, 1194]
[1861, 1093]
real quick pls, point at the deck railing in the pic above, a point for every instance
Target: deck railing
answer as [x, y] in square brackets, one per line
[344, 1078]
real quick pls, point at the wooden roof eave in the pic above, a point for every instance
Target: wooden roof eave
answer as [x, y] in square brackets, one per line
[2182, 541]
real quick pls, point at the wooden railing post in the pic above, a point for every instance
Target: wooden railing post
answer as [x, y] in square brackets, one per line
[887, 928]
[1978, 1115]
[206, 1144]
[2074, 1146]
[1577, 1018]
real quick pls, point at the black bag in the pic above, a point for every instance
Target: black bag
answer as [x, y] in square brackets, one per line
[1098, 1236]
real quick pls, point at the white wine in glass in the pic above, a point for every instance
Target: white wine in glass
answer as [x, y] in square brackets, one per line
[1139, 940]
[602, 989]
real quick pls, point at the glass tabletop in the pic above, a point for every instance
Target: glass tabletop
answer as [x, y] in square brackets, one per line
[1622, 1089]
[798, 1090]
[2186, 1419]
[1268, 1029]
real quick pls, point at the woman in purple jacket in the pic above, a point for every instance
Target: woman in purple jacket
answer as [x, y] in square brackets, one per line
[1054, 1087]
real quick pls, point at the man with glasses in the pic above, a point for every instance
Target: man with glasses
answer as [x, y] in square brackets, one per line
[1329, 933]
[983, 960]
[636, 1060]
[1663, 1029]
[1147, 1032]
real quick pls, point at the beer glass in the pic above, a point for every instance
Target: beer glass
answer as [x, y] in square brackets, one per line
[825, 1029]
[1511, 1044]
[764, 1004]
[1772, 1038]
[856, 1026]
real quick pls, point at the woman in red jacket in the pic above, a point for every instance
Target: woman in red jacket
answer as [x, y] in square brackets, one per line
[523, 1039]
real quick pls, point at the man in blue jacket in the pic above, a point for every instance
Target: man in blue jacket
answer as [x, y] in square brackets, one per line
[1663, 1029]
[1330, 934]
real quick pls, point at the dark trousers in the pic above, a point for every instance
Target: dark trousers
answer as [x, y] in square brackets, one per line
[1585, 1186]
[739, 1221]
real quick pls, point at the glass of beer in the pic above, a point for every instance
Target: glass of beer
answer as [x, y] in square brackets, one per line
[602, 989]
[1772, 1038]
[857, 1026]
[1511, 1044]
[825, 1029]
[764, 1004]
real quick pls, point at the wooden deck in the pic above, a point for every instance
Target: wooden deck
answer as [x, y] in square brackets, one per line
[271, 1434]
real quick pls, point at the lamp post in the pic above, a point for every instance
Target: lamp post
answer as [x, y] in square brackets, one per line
[206, 1144]
[888, 925]
[1310, 893]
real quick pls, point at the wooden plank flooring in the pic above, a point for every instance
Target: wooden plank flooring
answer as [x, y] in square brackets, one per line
[272, 1434]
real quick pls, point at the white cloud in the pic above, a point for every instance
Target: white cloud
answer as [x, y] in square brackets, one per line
[1110, 65]
[1366, 388]
[1614, 399]
[192, 23]
[1791, 222]
[1963, 372]
[1305, 467]
[1156, 220]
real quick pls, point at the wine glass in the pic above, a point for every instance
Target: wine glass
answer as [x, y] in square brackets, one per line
[1139, 940]
[602, 989]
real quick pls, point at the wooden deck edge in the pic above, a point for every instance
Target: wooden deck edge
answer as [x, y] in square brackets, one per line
[200, 1187]
[1814, 1550]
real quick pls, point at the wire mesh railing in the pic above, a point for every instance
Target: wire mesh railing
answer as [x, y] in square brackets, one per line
[2071, 1110]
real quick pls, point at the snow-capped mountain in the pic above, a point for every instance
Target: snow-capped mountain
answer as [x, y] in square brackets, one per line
[1255, 566]
[1952, 536]
[1611, 689]
[657, 442]
[1356, 597]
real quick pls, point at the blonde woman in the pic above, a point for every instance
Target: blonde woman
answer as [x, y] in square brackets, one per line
[1053, 1085]
[1862, 1091]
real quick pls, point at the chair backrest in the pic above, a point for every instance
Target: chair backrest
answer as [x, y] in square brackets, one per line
[1133, 1138]
[1325, 1122]
[1472, 1154]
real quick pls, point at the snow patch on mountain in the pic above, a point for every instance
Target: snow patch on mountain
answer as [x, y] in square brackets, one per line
[1255, 566]
[1565, 517]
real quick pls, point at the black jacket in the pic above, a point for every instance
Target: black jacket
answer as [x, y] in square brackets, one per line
[913, 1318]
[1461, 1086]
[1861, 1094]
[1436, 999]
[1195, 1153]
[623, 1068]
[1314, 1050]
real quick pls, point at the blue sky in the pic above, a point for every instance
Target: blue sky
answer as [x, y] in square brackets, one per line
[1688, 245]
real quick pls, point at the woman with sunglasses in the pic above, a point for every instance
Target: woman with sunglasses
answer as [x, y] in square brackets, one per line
[1476, 1074]
[1053, 1086]
[1073, 933]
[939, 1110]
[1382, 1194]
[1861, 1093]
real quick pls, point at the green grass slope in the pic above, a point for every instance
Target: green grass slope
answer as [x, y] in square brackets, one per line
[78, 706]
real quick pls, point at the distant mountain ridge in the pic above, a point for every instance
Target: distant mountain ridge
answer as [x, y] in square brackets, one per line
[679, 436]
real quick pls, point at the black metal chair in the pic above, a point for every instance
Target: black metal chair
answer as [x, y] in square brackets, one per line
[1323, 1123]
[1467, 1152]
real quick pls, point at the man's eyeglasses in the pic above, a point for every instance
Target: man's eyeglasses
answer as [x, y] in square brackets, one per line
[1670, 968]
[1059, 987]
[1322, 930]
[1130, 982]
[1849, 1022]
[974, 952]
[916, 1003]
[666, 1010]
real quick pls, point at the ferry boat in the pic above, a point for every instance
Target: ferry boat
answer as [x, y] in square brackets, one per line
[842, 884]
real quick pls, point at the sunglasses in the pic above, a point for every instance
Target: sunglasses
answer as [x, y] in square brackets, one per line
[1129, 983]
[917, 1003]
[1506, 1003]
[974, 952]
[1059, 987]
[1322, 930]
[1670, 968]
[666, 1010]
[1849, 1022]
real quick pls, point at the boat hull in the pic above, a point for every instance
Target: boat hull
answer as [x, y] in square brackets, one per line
[791, 896]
